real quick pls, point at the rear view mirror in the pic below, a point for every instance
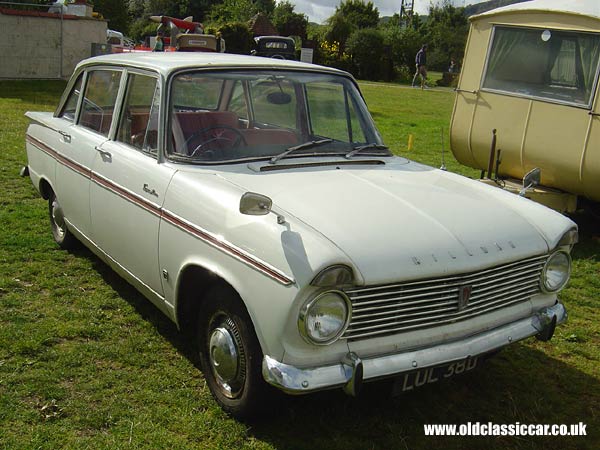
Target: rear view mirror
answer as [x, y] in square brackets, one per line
[253, 204]
[279, 98]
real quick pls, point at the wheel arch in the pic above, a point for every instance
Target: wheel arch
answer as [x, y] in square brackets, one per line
[193, 283]
[45, 188]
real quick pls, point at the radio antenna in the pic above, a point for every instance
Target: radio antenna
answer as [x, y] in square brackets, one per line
[443, 166]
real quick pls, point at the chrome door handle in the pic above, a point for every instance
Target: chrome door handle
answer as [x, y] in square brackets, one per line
[104, 153]
[149, 191]
[66, 136]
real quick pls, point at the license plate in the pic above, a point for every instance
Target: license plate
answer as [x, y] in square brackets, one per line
[428, 375]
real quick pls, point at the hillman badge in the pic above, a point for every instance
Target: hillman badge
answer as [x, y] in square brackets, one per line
[464, 293]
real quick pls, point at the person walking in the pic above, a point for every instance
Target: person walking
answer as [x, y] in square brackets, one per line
[421, 64]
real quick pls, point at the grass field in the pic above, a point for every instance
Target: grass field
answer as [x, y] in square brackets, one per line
[86, 362]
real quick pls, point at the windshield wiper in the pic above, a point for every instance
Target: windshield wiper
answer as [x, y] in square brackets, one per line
[360, 148]
[306, 145]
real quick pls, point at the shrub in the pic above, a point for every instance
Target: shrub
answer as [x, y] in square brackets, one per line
[404, 74]
[238, 37]
[365, 47]
[404, 43]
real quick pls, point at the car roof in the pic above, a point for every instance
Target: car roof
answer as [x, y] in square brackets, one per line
[167, 62]
[589, 8]
[279, 38]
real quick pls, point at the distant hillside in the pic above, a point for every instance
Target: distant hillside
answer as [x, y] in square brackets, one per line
[482, 7]
[469, 10]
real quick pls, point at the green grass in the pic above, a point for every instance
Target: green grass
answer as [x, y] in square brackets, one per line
[86, 362]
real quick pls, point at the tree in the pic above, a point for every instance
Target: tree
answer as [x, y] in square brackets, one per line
[199, 9]
[446, 33]
[233, 11]
[265, 6]
[349, 16]
[288, 22]
[403, 44]
[338, 31]
[115, 13]
[366, 49]
[238, 37]
[359, 13]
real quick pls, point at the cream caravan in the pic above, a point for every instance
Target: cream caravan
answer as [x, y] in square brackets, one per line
[531, 74]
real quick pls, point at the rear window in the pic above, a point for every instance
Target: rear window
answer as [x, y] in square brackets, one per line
[544, 63]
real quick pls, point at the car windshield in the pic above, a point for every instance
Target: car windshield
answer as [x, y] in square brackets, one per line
[220, 116]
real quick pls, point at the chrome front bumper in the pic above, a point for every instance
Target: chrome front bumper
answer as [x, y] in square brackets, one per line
[350, 372]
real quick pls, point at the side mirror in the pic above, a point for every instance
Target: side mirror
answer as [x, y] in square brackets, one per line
[253, 204]
[531, 179]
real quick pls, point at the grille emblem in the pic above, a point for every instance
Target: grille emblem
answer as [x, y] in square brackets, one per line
[464, 293]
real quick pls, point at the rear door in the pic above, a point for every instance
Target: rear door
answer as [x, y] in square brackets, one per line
[80, 141]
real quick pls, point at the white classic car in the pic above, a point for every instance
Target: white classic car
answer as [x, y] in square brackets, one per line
[254, 203]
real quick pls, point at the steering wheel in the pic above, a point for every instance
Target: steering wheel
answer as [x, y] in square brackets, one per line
[216, 137]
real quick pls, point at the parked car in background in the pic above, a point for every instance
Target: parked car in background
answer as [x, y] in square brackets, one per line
[255, 204]
[275, 47]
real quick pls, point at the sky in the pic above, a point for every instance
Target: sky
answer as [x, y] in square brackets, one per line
[319, 10]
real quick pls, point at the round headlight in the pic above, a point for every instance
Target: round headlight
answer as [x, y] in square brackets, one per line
[323, 319]
[556, 271]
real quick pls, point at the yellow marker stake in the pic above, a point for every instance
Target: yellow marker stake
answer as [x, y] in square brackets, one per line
[411, 141]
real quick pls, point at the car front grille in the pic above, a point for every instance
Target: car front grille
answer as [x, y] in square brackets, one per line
[394, 308]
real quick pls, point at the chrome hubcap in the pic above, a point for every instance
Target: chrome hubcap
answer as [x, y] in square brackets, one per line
[227, 359]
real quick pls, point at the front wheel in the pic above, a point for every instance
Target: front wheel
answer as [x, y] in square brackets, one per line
[231, 356]
[61, 234]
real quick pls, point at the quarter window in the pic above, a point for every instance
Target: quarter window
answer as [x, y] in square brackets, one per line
[70, 107]
[138, 126]
[98, 105]
[543, 63]
[238, 101]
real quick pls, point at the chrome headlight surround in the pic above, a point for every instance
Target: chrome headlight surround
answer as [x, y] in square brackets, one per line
[556, 272]
[340, 309]
[334, 276]
[570, 238]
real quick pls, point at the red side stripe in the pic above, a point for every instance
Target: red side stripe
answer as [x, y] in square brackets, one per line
[160, 212]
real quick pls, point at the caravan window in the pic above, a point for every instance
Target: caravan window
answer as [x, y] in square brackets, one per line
[543, 63]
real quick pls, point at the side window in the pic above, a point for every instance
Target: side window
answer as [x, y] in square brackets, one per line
[99, 100]
[138, 126]
[68, 111]
[332, 113]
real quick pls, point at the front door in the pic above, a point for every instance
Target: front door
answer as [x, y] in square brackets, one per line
[129, 185]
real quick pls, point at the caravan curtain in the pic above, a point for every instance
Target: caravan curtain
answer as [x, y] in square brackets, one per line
[546, 64]
[589, 56]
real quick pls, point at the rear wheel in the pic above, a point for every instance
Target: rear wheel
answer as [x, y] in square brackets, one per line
[61, 234]
[231, 356]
